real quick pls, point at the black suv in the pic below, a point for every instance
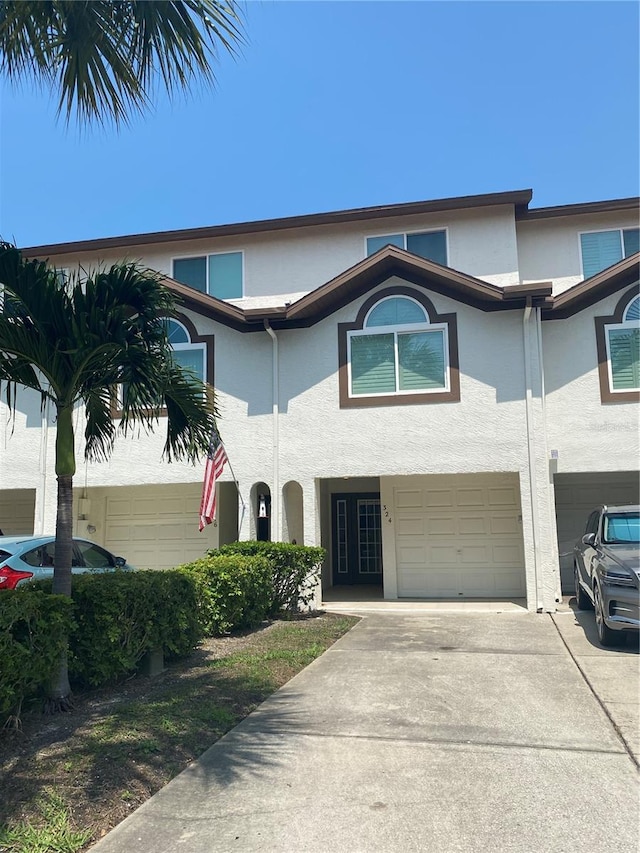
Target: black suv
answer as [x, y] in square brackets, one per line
[607, 570]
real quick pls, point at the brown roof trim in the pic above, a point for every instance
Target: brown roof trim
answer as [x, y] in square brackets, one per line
[632, 203]
[534, 290]
[519, 198]
[392, 261]
[592, 290]
[208, 306]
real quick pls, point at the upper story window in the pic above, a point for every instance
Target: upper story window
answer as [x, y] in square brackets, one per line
[219, 275]
[618, 340]
[398, 351]
[431, 245]
[601, 249]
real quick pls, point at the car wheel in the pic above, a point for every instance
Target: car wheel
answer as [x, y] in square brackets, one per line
[606, 636]
[582, 599]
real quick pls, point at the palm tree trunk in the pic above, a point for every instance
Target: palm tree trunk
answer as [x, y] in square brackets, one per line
[60, 692]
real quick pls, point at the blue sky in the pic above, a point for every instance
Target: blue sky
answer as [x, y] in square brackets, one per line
[335, 105]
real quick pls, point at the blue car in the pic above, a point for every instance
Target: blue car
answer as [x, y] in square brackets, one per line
[27, 558]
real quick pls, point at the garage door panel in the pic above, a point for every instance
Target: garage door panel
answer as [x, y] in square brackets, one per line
[409, 499]
[476, 555]
[118, 508]
[440, 526]
[505, 525]
[439, 555]
[502, 497]
[472, 525]
[440, 497]
[470, 497]
[408, 555]
[411, 526]
[471, 535]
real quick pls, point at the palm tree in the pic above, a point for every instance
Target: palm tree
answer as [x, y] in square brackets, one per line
[79, 344]
[103, 57]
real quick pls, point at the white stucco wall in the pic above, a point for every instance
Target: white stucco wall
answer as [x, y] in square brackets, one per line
[481, 242]
[549, 249]
[588, 435]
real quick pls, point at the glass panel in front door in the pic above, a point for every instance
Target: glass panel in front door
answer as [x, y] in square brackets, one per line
[369, 538]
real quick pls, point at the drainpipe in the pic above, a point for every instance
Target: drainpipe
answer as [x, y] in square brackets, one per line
[275, 497]
[531, 449]
[44, 438]
[543, 398]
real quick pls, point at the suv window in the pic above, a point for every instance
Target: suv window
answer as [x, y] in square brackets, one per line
[621, 527]
[592, 523]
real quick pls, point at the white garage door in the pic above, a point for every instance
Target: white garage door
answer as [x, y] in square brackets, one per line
[16, 511]
[459, 536]
[156, 527]
[576, 495]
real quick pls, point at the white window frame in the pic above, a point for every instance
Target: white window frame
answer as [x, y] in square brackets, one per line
[619, 228]
[206, 256]
[405, 234]
[407, 328]
[199, 345]
[610, 327]
[191, 346]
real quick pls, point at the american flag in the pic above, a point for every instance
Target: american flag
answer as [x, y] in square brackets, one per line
[216, 458]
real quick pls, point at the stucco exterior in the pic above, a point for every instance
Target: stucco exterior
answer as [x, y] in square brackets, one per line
[529, 407]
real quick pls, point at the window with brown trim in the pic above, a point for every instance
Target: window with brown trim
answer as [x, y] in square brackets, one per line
[398, 351]
[618, 341]
[193, 352]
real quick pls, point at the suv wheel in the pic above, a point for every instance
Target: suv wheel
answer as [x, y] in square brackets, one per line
[582, 599]
[606, 636]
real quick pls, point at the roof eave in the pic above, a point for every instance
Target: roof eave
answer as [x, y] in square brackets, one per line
[519, 198]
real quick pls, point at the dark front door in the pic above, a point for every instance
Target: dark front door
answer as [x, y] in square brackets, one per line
[357, 538]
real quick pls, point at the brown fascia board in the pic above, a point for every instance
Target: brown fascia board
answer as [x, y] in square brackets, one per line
[525, 214]
[592, 290]
[540, 290]
[519, 198]
[208, 306]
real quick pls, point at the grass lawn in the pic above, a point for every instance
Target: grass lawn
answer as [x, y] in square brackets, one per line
[67, 780]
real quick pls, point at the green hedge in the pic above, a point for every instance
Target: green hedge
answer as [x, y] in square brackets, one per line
[295, 571]
[233, 591]
[120, 616]
[112, 620]
[33, 628]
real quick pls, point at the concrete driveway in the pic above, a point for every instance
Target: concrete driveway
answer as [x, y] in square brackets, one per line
[465, 732]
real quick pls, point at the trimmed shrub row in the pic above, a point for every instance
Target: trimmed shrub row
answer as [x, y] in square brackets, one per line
[113, 620]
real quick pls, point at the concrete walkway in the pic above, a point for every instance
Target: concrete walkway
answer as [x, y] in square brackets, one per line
[451, 733]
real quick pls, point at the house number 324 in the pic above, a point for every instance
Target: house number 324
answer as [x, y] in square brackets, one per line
[385, 512]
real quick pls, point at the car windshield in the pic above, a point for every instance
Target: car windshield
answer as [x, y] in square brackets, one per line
[621, 527]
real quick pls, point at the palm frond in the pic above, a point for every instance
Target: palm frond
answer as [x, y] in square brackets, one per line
[104, 56]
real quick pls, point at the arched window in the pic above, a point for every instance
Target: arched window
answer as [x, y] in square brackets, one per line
[398, 351]
[623, 346]
[618, 338]
[190, 355]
